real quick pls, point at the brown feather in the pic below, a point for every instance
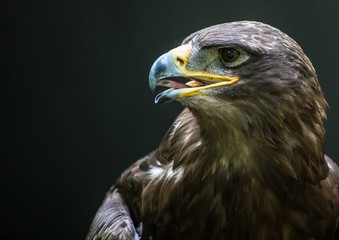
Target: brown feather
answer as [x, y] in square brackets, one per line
[246, 162]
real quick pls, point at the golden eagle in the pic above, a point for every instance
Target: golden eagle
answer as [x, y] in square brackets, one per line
[245, 159]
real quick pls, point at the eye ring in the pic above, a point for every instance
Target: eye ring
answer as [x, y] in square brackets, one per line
[229, 54]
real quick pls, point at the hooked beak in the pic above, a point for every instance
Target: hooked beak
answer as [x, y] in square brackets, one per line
[175, 64]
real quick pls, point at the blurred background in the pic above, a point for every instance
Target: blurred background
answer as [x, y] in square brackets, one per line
[77, 106]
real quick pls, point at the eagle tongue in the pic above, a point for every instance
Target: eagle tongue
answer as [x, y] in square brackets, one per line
[177, 85]
[170, 84]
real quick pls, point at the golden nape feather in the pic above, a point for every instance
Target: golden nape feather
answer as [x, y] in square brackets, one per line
[245, 159]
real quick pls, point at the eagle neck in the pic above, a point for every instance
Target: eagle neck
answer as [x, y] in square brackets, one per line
[271, 150]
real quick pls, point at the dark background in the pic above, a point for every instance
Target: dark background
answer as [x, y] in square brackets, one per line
[77, 107]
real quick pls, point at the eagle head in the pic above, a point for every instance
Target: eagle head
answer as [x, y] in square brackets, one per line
[250, 81]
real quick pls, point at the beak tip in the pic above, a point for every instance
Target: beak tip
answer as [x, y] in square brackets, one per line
[163, 67]
[152, 81]
[152, 85]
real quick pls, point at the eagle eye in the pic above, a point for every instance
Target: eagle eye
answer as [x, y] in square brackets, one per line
[232, 57]
[229, 54]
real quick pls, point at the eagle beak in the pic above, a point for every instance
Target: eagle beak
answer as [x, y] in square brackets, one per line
[175, 64]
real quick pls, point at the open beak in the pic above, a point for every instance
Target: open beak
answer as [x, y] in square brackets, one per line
[174, 64]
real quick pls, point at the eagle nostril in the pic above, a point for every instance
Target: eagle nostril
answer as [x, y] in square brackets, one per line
[180, 61]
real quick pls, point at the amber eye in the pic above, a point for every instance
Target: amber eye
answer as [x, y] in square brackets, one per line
[229, 55]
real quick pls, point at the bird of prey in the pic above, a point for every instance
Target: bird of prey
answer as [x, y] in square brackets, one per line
[245, 159]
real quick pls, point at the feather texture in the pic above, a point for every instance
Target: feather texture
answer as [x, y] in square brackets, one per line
[241, 162]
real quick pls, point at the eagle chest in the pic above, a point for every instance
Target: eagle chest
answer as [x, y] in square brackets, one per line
[186, 206]
[178, 206]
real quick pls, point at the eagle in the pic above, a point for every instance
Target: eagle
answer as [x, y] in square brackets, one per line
[244, 159]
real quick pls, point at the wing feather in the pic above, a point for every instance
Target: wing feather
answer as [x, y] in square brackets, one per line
[113, 220]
